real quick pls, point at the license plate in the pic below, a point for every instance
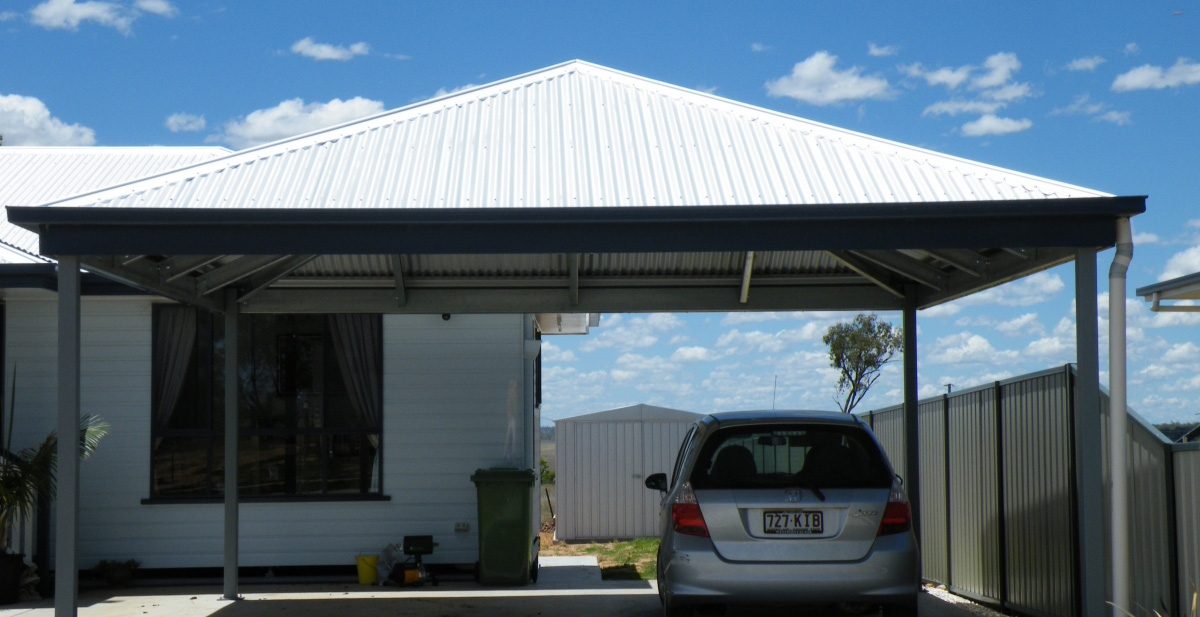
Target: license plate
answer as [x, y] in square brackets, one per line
[794, 522]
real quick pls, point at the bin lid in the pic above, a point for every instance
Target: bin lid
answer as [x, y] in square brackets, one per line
[503, 474]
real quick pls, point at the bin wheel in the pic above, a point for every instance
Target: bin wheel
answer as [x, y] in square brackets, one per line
[533, 570]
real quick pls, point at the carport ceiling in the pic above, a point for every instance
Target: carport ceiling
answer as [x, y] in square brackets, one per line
[578, 188]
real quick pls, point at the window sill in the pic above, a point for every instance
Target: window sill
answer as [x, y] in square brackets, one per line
[155, 501]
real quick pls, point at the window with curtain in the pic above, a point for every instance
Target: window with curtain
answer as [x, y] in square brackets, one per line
[309, 412]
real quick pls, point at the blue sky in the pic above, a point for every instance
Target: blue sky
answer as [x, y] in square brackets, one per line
[1104, 95]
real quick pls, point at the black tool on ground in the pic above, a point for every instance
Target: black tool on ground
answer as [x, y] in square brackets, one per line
[412, 571]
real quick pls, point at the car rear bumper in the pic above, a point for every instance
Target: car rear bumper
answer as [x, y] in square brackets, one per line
[692, 573]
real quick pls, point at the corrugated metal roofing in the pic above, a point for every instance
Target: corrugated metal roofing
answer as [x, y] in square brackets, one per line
[30, 176]
[577, 134]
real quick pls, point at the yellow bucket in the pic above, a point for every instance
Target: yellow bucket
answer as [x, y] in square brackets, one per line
[366, 569]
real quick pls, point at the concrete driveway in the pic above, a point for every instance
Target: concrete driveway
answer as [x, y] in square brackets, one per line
[566, 586]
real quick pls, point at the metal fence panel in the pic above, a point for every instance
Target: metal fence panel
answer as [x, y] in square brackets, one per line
[935, 556]
[888, 426]
[1187, 522]
[1151, 554]
[1040, 572]
[975, 522]
[1149, 513]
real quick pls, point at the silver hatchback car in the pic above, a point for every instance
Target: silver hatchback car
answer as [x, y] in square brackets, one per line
[785, 507]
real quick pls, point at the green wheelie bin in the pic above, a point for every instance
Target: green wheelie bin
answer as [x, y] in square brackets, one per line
[506, 548]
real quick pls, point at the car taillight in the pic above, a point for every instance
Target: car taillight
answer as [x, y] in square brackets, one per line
[897, 516]
[686, 517]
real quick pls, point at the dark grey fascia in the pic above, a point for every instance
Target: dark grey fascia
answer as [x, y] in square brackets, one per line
[1075, 222]
[1166, 287]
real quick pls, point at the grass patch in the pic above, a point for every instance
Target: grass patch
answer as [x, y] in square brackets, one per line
[619, 560]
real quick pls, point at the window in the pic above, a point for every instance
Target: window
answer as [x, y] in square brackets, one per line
[310, 399]
[787, 455]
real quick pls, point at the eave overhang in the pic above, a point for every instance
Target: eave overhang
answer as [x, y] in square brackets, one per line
[934, 252]
[1071, 222]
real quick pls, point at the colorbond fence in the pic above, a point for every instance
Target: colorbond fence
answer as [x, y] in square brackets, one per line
[998, 497]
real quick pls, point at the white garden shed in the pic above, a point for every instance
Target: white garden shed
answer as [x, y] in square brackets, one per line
[603, 459]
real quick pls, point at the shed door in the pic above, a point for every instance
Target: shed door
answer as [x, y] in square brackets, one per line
[609, 502]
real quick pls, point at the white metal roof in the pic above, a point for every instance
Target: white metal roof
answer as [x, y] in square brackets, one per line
[30, 176]
[577, 134]
[640, 412]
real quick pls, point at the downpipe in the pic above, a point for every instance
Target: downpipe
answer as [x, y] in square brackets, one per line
[1118, 424]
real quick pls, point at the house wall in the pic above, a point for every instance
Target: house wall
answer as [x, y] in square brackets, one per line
[453, 403]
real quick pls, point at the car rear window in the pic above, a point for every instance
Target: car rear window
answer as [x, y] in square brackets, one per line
[790, 455]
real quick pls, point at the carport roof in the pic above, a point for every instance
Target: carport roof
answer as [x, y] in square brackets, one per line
[1182, 288]
[578, 188]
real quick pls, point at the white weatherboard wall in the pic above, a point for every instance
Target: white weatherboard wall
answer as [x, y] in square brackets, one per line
[603, 460]
[450, 407]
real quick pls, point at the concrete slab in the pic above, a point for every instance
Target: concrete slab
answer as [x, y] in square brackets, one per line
[569, 587]
[566, 569]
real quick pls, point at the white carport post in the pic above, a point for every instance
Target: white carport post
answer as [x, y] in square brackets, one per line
[231, 445]
[66, 570]
[912, 432]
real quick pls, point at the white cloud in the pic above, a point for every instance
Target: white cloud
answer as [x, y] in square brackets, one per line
[816, 81]
[736, 341]
[1000, 67]
[9, 15]
[1083, 105]
[158, 7]
[955, 107]
[443, 92]
[1053, 348]
[1009, 92]
[634, 333]
[886, 50]
[758, 47]
[1132, 49]
[1119, 118]
[688, 355]
[26, 121]
[1147, 77]
[1182, 352]
[639, 368]
[964, 348]
[734, 319]
[325, 51]
[68, 14]
[184, 122]
[990, 124]
[1017, 326]
[1146, 238]
[293, 117]
[1085, 64]
[1182, 264]
[554, 353]
[945, 76]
